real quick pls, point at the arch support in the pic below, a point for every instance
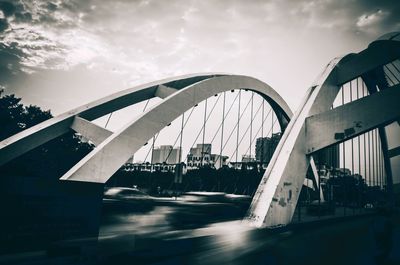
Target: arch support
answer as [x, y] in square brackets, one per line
[107, 158]
[113, 149]
[39, 134]
[276, 197]
[352, 119]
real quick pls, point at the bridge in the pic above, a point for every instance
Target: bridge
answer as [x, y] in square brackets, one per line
[348, 119]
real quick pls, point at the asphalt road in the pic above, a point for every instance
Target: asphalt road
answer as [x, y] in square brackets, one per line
[179, 232]
[157, 237]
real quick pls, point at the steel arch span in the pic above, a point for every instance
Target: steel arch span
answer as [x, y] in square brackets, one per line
[114, 149]
[316, 126]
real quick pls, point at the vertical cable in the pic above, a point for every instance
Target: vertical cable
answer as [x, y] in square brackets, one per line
[376, 157]
[152, 153]
[237, 134]
[180, 150]
[373, 156]
[204, 132]
[108, 120]
[394, 65]
[251, 123]
[390, 71]
[365, 145]
[369, 159]
[383, 169]
[359, 156]
[262, 136]
[380, 160]
[222, 131]
[344, 167]
[352, 147]
[145, 106]
[272, 125]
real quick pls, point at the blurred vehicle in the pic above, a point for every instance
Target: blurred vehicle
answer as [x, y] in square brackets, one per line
[122, 193]
[198, 208]
[368, 206]
[239, 198]
[203, 196]
[129, 199]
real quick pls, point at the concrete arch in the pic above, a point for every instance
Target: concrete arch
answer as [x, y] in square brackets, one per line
[30, 138]
[315, 123]
[113, 149]
[35, 136]
[99, 165]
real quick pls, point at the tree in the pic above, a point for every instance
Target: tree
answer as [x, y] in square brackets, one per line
[50, 160]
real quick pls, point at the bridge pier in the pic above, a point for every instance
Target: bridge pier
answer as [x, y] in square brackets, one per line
[58, 217]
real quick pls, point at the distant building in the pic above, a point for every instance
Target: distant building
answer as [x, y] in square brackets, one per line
[201, 156]
[146, 166]
[265, 148]
[165, 154]
[248, 163]
[248, 159]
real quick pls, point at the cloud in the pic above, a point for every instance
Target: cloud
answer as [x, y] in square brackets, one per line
[3, 24]
[367, 20]
[143, 40]
[10, 64]
[48, 33]
[7, 8]
[58, 34]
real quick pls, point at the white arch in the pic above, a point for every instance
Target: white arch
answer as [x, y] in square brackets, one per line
[276, 197]
[106, 158]
[113, 149]
[35, 136]
[39, 134]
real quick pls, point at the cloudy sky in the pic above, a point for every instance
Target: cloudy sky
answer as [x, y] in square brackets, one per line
[62, 54]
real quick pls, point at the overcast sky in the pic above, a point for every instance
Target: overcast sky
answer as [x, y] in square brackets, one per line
[62, 54]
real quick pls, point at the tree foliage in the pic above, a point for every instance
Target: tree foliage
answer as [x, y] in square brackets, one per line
[50, 160]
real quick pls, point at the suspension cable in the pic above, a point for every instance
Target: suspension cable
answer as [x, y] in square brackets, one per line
[209, 114]
[152, 148]
[365, 143]
[144, 109]
[390, 71]
[247, 129]
[222, 133]
[108, 120]
[344, 167]
[179, 135]
[226, 115]
[236, 125]
[204, 133]
[395, 67]
[352, 142]
[260, 129]
[251, 123]
[220, 126]
[262, 136]
[237, 134]
[145, 106]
